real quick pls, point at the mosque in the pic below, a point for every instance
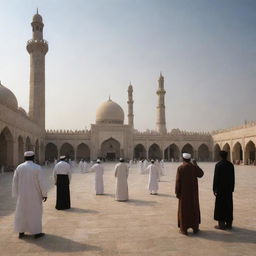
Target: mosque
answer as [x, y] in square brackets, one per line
[109, 137]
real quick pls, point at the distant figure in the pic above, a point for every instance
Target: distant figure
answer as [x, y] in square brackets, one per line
[130, 163]
[29, 186]
[187, 192]
[99, 171]
[153, 178]
[223, 188]
[162, 167]
[62, 177]
[121, 174]
[81, 165]
[141, 167]
[145, 165]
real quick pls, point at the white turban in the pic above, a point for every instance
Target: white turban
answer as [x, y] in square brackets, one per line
[186, 156]
[29, 153]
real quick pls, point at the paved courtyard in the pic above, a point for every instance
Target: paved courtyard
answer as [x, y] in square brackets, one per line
[146, 225]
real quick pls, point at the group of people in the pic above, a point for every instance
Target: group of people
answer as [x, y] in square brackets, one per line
[30, 188]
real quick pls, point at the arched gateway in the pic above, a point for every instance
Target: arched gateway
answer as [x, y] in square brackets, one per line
[110, 149]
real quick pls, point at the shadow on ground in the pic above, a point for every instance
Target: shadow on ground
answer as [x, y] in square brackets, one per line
[60, 244]
[80, 210]
[141, 202]
[236, 235]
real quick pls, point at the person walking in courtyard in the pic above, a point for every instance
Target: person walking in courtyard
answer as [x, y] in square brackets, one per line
[223, 188]
[186, 190]
[62, 177]
[99, 171]
[29, 187]
[121, 174]
[153, 178]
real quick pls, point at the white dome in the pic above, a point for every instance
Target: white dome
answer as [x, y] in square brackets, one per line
[109, 113]
[7, 97]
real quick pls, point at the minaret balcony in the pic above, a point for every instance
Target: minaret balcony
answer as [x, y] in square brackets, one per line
[37, 45]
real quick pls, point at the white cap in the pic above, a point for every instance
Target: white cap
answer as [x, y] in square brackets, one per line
[98, 161]
[62, 157]
[29, 153]
[186, 156]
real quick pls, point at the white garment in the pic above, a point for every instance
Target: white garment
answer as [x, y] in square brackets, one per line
[130, 163]
[81, 165]
[145, 165]
[29, 186]
[62, 167]
[85, 165]
[121, 174]
[141, 167]
[153, 177]
[99, 184]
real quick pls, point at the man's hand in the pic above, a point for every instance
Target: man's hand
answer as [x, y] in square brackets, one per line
[194, 162]
[44, 199]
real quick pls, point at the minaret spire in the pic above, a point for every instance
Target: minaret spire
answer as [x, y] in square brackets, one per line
[160, 109]
[130, 105]
[37, 47]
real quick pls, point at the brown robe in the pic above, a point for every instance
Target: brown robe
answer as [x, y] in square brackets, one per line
[186, 190]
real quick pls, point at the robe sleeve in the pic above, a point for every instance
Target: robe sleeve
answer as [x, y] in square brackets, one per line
[215, 179]
[15, 184]
[42, 182]
[178, 184]
[115, 171]
[199, 172]
[233, 178]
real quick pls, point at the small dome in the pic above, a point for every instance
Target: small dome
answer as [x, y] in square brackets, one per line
[23, 111]
[37, 18]
[109, 113]
[7, 97]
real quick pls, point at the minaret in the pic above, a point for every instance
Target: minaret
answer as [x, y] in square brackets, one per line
[37, 47]
[160, 109]
[130, 105]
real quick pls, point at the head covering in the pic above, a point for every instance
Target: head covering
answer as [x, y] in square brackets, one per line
[121, 160]
[62, 157]
[152, 161]
[98, 161]
[186, 156]
[29, 153]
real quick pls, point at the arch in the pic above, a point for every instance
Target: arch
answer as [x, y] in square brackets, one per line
[155, 152]
[203, 153]
[249, 153]
[6, 149]
[188, 149]
[172, 153]
[83, 152]
[67, 150]
[110, 149]
[51, 152]
[37, 151]
[226, 148]
[217, 153]
[237, 153]
[139, 152]
[28, 145]
[20, 149]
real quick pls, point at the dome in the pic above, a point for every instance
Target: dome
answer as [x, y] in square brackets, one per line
[7, 97]
[37, 18]
[109, 113]
[23, 111]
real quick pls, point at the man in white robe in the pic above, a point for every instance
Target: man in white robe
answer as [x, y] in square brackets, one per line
[99, 183]
[153, 178]
[29, 187]
[81, 165]
[145, 165]
[141, 167]
[121, 174]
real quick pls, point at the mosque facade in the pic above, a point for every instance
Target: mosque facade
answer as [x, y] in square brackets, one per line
[109, 137]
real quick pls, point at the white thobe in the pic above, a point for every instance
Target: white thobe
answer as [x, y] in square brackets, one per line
[141, 167]
[153, 177]
[121, 174]
[145, 165]
[99, 183]
[29, 186]
[85, 166]
[81, 165]
[64, 168]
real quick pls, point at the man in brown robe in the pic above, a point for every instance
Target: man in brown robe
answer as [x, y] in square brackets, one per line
[186, 190]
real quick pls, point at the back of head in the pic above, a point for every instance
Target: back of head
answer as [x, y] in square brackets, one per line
[29, 156]
[186, 157]
[223, 155]
[121, 160]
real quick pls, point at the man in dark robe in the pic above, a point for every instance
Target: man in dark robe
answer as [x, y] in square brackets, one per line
[62, 177]
[223, 188]
[186, 190]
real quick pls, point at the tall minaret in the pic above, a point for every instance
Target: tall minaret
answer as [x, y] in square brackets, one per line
[130, 105]
[160, 109]
[37, 47]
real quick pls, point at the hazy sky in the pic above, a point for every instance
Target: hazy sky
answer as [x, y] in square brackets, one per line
[205, 49]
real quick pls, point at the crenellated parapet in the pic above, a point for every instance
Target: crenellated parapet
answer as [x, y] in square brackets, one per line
[71, 132]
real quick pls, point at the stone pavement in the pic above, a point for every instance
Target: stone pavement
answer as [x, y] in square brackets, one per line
[144, 226]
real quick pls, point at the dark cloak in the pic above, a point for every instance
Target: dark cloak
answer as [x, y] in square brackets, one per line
[63, 194]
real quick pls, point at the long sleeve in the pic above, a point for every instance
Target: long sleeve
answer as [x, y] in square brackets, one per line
[15, 184]
[42, 182]
[233, 178]
[216, 179]
[200, 172]
[178, 184]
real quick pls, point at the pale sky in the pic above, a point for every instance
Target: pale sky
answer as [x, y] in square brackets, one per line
[205, 49]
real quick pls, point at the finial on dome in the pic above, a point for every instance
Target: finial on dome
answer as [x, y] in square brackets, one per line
[109, 98]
